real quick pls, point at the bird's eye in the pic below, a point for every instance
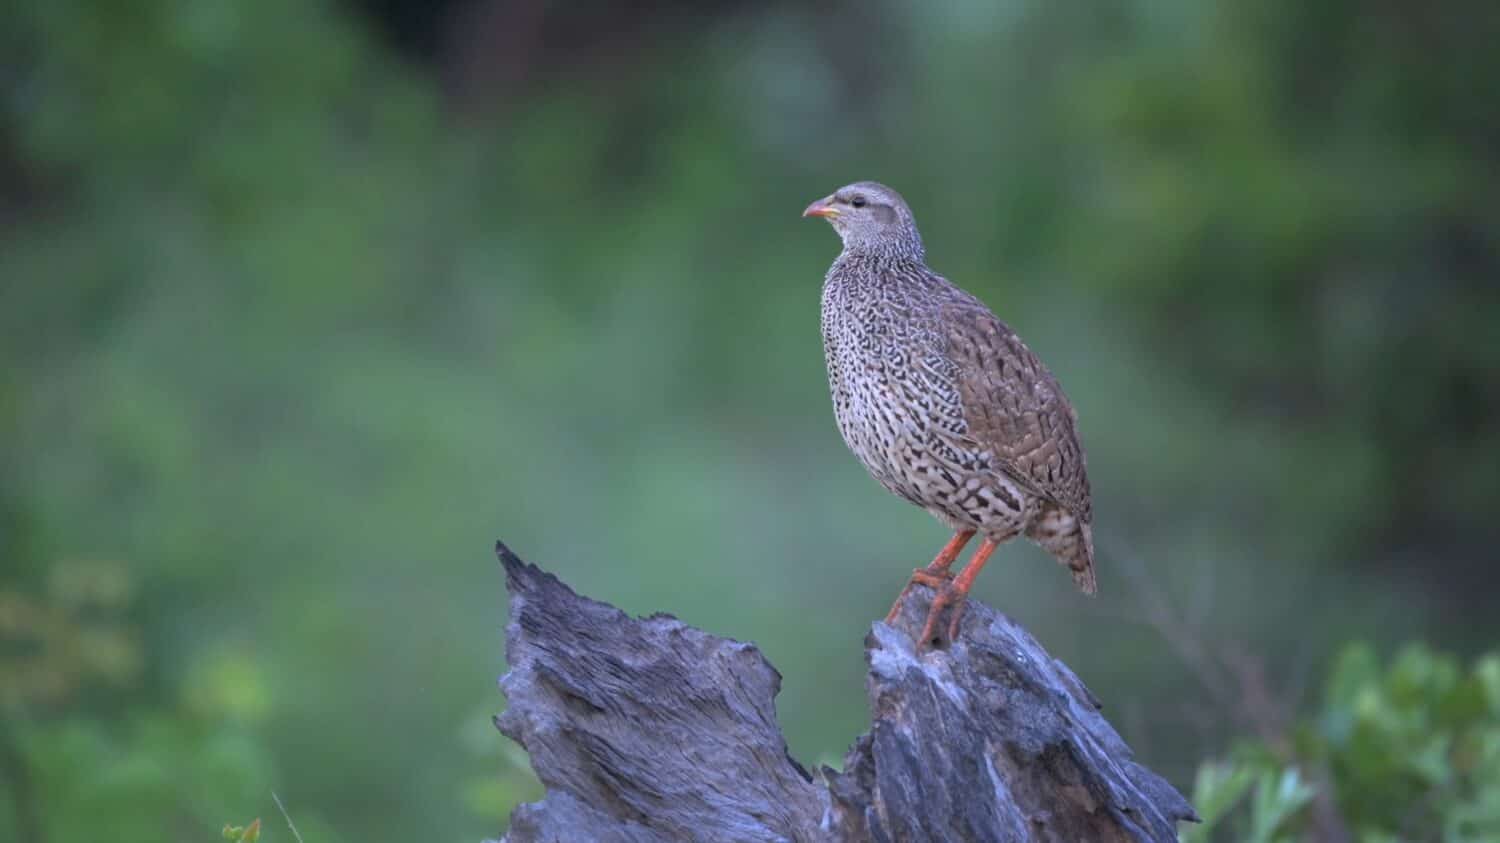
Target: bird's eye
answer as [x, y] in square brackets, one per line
[858, 201]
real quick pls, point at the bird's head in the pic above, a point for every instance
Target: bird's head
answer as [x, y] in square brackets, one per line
[870, 217]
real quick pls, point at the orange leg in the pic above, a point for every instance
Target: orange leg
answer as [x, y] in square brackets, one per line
[954, 594]
[936, 574]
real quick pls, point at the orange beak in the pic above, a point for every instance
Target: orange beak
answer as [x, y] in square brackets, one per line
[821, 208]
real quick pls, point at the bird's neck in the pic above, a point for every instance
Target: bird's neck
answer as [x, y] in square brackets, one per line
[858, 278]
[877, 263]
[907, 247]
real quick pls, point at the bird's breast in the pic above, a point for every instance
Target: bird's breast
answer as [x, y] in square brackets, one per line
[893, 398]
[898, 406]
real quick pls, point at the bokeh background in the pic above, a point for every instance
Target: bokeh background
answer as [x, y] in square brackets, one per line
[304, 304]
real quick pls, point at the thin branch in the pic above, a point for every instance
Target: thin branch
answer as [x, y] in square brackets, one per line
[1179, 634]
[288, 817]
[1250, 699]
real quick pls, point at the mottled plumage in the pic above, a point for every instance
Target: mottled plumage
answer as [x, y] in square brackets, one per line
[939, 399]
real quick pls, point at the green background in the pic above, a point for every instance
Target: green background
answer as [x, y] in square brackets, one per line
[304, 304]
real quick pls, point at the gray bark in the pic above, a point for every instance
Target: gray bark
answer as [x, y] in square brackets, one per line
[646, 730]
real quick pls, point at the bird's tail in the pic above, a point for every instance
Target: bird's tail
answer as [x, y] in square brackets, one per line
[1081, 564]
[1071, 543]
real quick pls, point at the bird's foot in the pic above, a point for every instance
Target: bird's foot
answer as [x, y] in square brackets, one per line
[949, 596]
[930, 576]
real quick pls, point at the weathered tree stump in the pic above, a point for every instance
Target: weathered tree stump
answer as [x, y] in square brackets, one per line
[646, 730]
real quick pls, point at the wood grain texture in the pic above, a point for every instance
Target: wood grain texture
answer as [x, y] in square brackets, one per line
[646, 730]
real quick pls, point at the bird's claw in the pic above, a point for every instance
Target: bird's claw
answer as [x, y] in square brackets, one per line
[948, 595]
[935, 578]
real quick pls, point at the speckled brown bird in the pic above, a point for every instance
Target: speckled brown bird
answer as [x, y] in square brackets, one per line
[944, 404]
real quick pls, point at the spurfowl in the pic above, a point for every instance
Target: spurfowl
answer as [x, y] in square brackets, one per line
[944, 404]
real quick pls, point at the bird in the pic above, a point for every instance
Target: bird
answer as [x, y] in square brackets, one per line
[944, 405]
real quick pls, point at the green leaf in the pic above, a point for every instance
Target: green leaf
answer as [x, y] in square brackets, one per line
[1278, 798]
[1217, 789]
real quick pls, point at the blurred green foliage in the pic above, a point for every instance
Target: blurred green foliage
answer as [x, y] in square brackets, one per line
[294, 325]
[1409, 752]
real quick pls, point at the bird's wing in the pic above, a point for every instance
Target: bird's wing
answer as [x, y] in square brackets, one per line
[1013, 406]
